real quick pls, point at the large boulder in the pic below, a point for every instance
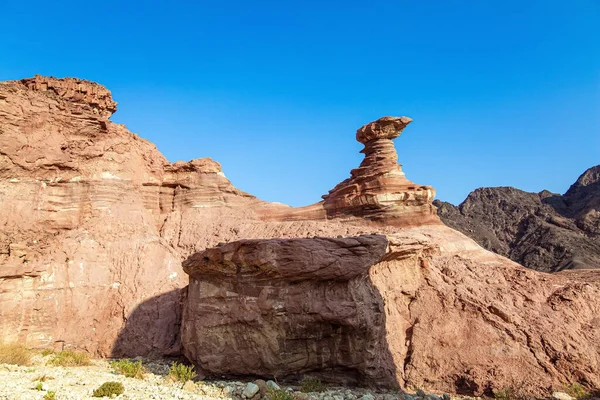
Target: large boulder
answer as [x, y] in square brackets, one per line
[423, 308]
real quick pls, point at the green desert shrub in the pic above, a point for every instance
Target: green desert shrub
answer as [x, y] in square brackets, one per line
[39, 386]
[47, 352]
[578, 391]
[69, 358]
[14, 354]
[181, 372]
[107, 389]
[311, 385]
[50, 395]
[131, 369]
[279, 394]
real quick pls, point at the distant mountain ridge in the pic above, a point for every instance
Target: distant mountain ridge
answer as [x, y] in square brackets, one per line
[542, 231]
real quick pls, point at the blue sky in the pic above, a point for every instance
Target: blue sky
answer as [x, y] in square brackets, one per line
[502, 93]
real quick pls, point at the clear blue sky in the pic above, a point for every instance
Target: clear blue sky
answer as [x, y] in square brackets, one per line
[502, 93]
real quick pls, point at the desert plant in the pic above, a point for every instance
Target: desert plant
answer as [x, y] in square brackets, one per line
[107, 389]
[69, 358]
[181, 372]
[578, 391]
[311, 385]
[279, 394]
[14, 354]
[47, 352]
[513, 392]
[39, 386]
[50, 395]
[131, 369]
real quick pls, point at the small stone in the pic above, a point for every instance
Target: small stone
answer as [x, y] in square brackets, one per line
[300, 396]
[337, 397]
[408, 397]
[273, 385]
[262, 386]
[561, 396]
[389, 397]
[421, 394]
[189, 386]
[368, 396]
[446, 396]
[432, 397]
[251, 390]
[327, 398]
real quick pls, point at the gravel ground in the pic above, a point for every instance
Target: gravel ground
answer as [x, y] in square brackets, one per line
[78, 383]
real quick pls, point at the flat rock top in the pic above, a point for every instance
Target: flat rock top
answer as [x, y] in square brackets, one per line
[383, 128]
[74, 90]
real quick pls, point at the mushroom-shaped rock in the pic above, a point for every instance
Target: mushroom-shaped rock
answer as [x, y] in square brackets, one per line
[378, 189]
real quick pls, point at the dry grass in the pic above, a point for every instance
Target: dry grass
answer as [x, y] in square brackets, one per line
[14, 354]
[69, 358]
[578, 391]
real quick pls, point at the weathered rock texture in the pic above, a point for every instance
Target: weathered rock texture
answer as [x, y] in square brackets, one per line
[94, 223]
[542, 231]
[378, 189]
[423, 308]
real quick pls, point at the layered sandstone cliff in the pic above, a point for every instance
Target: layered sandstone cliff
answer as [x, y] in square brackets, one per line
[95, 222]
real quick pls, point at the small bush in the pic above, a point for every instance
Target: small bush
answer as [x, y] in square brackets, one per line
[181, 372]
[47, 352]
[69, 358]
[14, 354]
[514, 392]
[39, 386]
[131, 369]
[275, 394]
[49, 395]
[311, 385]
[578, 391]
[107, 389]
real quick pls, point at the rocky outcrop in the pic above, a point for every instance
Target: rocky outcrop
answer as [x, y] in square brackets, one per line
[543, 231]
[94, 223]
[378, 190]
[423, 308]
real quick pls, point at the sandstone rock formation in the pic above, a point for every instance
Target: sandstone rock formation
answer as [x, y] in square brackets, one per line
[94, 223]
[378, 189]
[543, 231]
[424, 308]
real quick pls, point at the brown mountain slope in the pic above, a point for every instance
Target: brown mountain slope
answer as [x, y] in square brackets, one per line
[542, 231]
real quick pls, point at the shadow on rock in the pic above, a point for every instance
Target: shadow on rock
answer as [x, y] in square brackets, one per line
[153, 328]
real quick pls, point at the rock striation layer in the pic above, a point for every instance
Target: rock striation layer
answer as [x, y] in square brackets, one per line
[423, 308]
[378, 190]
[543, 231]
